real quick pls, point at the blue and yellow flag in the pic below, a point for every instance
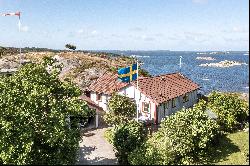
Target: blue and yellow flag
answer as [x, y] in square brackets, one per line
[128, 74]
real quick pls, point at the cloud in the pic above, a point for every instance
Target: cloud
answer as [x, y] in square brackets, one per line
[85, 33]
[94, 32]
[80, 31]
[196, 36]
[237, 29]
[147, 38]
[200, 1]
[24, 28]
[136, 29]
[241, 39]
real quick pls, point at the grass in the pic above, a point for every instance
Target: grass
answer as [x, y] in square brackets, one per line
[232, 149]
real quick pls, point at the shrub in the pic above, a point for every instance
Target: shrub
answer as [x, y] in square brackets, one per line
[230, 109]
[128, 137]
[109, 135]
[121, 110]
[189, 132]
[155, 151]
[35, 106]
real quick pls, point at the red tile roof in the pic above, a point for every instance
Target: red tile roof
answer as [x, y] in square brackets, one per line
[165, 87]
[159, 88]
[107, 84]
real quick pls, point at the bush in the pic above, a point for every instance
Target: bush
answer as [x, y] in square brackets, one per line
[128, 137]
[34, 126]
[230, 109]
[155, 151]
[121, 110]
[189, 132]
[109, 135]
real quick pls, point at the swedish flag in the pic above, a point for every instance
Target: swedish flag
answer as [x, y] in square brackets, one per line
[128, 74]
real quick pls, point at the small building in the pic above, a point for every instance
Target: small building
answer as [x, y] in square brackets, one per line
[93, 122]
[156, 97]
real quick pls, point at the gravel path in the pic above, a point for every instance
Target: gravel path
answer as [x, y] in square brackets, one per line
[95, 150]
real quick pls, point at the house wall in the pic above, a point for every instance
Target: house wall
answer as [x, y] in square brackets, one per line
[156, 112]
[179, 105]
[103, 102]
[131, 92]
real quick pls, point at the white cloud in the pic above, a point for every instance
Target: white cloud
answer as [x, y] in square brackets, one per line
[200, 1]
[237, 29]
[94, 32]
[24, 28]
[136, 29]
[80, 31]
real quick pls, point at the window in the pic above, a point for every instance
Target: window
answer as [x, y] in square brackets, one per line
[146, 107]
[173, 103]
[98, 97]
[185, 98]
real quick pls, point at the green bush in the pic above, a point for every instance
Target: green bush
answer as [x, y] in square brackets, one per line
[34, 127]
[183, 138]
[128, 137]
[121, 110]
[232, 111]
[109, 135]
[155, 151]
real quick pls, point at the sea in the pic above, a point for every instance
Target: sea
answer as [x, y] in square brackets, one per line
[229, 79]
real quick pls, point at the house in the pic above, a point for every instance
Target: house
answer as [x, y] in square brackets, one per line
[93, 122]
[156, 97]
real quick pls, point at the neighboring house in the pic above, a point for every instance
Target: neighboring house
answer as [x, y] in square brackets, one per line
[97, 120]
[156, 97]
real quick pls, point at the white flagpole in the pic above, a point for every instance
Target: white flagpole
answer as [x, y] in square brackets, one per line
[137, 87]
[180, 63]
[19, 28]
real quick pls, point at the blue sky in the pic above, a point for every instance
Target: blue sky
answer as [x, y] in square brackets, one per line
[191, 25]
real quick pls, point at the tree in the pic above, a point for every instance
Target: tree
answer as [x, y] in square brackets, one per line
[230, 109]
[184, 138]
[34, 107]
[121, 109]
[70, 46]
[126, 138]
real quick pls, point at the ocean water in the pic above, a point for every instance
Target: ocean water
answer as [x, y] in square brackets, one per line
[230, 79]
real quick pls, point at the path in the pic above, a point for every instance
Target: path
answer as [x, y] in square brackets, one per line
[95, 150]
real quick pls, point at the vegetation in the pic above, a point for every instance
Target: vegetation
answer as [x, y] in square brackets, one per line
[232, 111]
[121, 110]
[70, 46]
[183, 138]
[126, 138]
[34, 118]
[231, 149]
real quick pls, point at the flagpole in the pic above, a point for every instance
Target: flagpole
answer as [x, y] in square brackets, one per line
[19, 28]
[180, 63]
[137, 87]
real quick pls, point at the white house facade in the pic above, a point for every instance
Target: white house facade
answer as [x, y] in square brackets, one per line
[156, 97]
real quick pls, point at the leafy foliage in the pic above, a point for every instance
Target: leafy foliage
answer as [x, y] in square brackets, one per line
[182, 139]
[230, 109]
[121, 109]
[126, 138]
[155, 151]
[70, 46]
[34, 107]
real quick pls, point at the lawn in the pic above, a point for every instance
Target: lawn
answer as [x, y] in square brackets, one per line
[231, 150]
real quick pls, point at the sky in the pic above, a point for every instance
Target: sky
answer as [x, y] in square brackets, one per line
[176, 25]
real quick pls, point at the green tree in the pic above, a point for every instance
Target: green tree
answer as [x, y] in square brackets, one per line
[126, 138]
[230, 109]
[183, 138]
[34, 108]
[70, 46]
[121, 109]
